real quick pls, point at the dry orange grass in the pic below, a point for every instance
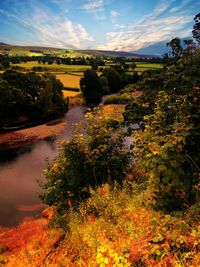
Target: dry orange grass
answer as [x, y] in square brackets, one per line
[69, 80]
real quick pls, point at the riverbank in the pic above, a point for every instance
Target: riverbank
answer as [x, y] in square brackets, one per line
[25, 137]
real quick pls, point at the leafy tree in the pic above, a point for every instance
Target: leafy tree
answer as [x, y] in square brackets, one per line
[91, 86]
[196, 29]
[133, 66]
[126, 66]
[88, 160]
[94, 66]
[104, 84]
[11, 101]
[5, 63]
[134, 112]
[168, 149]
[114, 79]
[175, 45]
[34, 96]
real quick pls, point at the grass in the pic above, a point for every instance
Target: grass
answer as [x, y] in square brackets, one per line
[54, 67]
[25, 51]
[143, 66]
[69, 80]
[113, 227]
[68, 93]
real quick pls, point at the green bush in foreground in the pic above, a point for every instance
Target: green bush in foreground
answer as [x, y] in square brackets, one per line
[87, 160]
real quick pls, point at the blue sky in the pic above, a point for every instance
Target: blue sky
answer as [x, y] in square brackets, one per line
[129, 25]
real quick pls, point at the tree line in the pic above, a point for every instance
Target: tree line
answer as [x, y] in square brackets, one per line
[112, 80]
[29, 97]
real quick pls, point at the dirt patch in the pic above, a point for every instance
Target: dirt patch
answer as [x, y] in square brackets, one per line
[136, 94]
[17, 139]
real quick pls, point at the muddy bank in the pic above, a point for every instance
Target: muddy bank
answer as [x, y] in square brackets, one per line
[22, 139]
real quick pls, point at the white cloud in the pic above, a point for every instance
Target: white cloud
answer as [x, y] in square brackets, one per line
[94, 5]
[114, 13]
[155, 27]
[52, 30]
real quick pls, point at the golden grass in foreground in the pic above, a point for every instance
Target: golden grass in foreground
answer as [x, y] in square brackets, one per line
[113, 228]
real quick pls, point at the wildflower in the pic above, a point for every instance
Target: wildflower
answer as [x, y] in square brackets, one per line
[69, 203]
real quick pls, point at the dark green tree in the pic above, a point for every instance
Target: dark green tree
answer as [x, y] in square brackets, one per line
[5, 63]
[91, 87]
[114, 79]
[175, 45]
[196, 28]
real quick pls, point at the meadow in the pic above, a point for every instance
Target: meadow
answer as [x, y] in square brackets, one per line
[41, 51]
[54, 67]
[79, 69]
[68, 80]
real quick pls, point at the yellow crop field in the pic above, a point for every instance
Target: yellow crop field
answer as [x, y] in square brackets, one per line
[69, 80]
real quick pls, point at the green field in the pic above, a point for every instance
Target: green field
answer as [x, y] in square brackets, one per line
[79, 69]
[70, 75]
[25, 51]
[54, 67]
[143, 66]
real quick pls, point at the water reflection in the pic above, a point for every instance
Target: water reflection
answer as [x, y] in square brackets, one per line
[18, 186]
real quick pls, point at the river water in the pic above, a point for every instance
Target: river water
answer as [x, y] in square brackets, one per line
[18, 186]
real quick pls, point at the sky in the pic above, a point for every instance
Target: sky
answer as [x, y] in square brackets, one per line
[121, 25]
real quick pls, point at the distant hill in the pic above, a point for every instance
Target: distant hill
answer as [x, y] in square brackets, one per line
[115, 53]
[85, 51]
[4, 44]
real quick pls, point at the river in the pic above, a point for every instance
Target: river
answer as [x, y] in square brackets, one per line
[18, 186]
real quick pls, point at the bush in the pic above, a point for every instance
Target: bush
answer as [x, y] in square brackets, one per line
[118, 99]
[88, 160]
[37, 68]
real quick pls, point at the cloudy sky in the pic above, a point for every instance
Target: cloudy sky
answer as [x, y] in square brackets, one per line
[129, 25]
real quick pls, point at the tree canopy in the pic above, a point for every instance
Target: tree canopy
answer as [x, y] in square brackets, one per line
[30, 96]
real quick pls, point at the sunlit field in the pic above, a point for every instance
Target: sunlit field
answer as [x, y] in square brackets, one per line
[54, 67]
[68, 93]
[69, 80]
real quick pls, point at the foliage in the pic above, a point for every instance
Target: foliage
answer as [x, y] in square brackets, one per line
[91, 87]
[162, 151]
[196, 28]
[168, 148]
[114, 228]
[30, 95]
[87, 160]
[114, 79]
[118, 99]
[176, 47]
[134, 112]
[104, 84]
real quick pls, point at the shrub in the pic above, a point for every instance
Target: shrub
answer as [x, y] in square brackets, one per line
[87, 160]
[118, 99]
